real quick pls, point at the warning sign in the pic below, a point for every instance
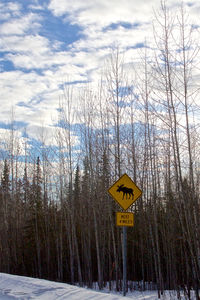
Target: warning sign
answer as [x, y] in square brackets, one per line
[125, 191]
[124, 219]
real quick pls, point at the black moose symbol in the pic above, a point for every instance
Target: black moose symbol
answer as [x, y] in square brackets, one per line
[126, 191]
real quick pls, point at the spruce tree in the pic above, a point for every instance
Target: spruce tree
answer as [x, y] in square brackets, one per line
[5, 209]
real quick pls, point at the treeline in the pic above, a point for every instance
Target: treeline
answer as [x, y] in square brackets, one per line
[57, 219]
[76, 239]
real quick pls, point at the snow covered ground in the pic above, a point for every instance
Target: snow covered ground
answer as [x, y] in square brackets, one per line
[25, 288]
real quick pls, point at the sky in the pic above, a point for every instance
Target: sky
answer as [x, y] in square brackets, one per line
[20, 287]
[46, 44]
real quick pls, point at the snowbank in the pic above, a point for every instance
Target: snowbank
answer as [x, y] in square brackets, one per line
[25, 288]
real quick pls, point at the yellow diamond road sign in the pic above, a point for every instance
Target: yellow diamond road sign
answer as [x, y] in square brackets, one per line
[125, 191]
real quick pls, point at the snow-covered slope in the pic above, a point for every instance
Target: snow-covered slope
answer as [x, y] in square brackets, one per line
[25, 288]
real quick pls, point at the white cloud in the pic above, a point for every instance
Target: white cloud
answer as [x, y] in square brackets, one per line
[11, 9]
[20, 25]
[34, 44]
[36, 6]
[103, 13]
[18, 86]
[50, 135]
[13, 140]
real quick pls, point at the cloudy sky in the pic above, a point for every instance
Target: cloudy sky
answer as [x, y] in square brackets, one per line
[46, 43]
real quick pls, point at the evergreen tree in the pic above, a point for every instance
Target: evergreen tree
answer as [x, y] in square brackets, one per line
[5, 181]
[5, 209]
[26, 186]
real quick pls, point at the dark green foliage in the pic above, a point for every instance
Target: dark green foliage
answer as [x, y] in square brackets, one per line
[5, 180]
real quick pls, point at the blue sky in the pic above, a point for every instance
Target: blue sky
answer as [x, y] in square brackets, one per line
[45, 44]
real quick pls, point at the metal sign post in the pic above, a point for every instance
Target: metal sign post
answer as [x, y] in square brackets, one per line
[124, 260]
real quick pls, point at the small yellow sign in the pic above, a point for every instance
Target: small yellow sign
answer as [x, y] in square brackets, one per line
[125, 191]
[124, 219]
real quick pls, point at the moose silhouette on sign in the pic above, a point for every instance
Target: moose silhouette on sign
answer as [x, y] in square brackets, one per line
[126, 191]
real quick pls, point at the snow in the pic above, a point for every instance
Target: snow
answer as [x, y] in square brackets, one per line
[26, 288]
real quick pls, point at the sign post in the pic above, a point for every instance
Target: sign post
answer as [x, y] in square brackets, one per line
[125, 192]
[124, 260]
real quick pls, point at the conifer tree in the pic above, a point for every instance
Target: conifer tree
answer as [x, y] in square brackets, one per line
[5, 209]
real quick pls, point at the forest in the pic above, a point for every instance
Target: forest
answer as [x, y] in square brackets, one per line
[57, 218]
